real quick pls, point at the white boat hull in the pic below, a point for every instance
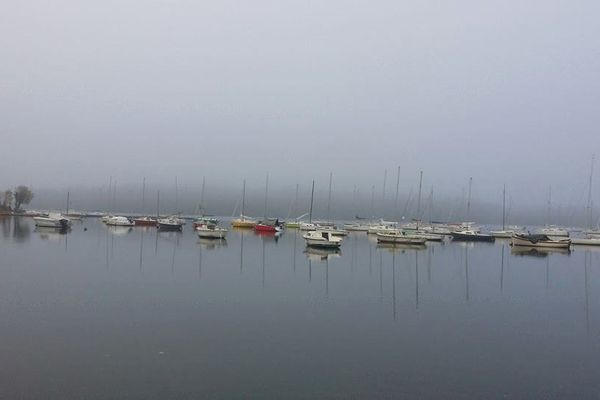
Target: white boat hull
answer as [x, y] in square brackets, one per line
[399, 239]
[323, 244]
[211, 233]
[550, 244]
[593, 241]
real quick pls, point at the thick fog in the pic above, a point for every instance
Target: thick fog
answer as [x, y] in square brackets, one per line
[505, 92]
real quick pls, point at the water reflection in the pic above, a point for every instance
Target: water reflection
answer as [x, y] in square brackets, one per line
[536, 251]
[400, 248]
[119, 230]
[47, 233]
[317, 254]
[345, 292]
[211, 244]
[21, 230]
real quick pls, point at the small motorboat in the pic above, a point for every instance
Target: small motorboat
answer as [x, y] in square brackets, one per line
[52, 220]
[145, 221]
[210, 231]
[205, 221]
[244, 222]
[169, 224]
[587, 241]
[119, 221]
[323, 239]
[373, 230]
[471, 236]
[400, 238]
[356, 227]
[308, 226]
[268, 226]
[540, 241]
[430, 237]
[334, 230]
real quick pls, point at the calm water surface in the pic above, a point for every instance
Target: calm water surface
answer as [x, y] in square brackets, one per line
[103, 313]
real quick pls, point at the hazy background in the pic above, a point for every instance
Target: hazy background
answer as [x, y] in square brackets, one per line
[503, 91]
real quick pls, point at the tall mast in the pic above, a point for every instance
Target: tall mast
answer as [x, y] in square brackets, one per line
[469, 198]
[176, 197]
[383, 192]
[67, 212]
[144, 194]
[109, 195]
[312, 196]
[296, 201]
[243, 198]
[158, 204]
[372, 202]
[589, 199]
[202, 195]
[397, 189]
[266, 194]
[503, 207]
[114, 195]
[329, 197]
[549, 205]
[419, 198]
[430, 204]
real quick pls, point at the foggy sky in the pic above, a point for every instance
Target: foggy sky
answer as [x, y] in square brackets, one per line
[503, 91]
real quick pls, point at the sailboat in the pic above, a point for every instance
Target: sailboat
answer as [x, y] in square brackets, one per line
[504, 233]
[52, 220]
[243, 221]
[552, 230]
[268, 225]
[144, 221]
[172, 223]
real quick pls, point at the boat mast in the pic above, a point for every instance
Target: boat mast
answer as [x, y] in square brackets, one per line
[296, 202]
[503, 207]
[329, 197]
[372, 202]
[469, 198]
[176, 197]
[397, 189]
[67, 212]
[312, 196]
[243, 199]
[266, 194]
[589, 199]
[144, 194]
[419, 198]
[109, 194]
[431, 205]
[114, 200]
[202, 195]
[158, 204]
[549, 205]
[383, 192]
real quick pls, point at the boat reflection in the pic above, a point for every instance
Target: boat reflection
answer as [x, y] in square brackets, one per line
[268, 236]
[320, 254]
[210, 244]
[400, 248]
[119, 230]
[536, 251]
[48, 233]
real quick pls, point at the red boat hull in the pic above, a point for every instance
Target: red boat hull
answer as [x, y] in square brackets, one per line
[144, 222]
[265, 228]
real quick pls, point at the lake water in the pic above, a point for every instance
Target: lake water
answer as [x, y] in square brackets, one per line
[103, 313]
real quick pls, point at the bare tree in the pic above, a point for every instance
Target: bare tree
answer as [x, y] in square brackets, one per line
[8, 200]
[23, 195]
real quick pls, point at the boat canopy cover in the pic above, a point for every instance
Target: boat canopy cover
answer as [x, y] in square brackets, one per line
[270, 222]
[534, 238]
